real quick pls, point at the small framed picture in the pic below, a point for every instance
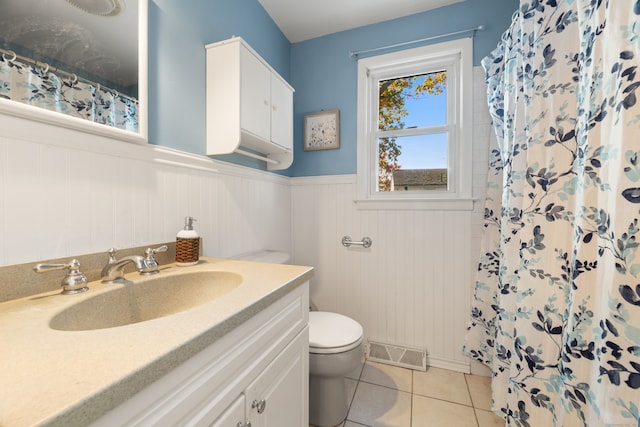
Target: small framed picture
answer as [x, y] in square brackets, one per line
[322, 130]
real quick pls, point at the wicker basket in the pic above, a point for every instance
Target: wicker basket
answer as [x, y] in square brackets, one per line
[187, 250]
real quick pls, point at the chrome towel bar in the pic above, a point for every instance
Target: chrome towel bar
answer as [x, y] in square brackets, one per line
[365, 243]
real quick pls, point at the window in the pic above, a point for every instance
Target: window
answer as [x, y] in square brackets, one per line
[414, 128]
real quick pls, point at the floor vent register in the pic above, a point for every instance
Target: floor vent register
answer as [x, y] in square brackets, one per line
[391, 354]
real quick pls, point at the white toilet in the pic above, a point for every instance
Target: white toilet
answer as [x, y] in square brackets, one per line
[335, 349]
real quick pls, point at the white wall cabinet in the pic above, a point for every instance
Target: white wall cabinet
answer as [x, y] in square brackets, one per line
[249, 106]
[257, 374]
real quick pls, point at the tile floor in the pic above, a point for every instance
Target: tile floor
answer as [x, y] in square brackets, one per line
[388, 396]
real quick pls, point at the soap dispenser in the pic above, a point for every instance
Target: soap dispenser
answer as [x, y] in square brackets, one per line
[187, 244]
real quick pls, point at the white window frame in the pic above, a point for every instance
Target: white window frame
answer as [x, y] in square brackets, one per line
[454, 56]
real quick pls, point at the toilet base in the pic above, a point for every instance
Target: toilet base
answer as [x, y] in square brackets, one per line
[328, 401]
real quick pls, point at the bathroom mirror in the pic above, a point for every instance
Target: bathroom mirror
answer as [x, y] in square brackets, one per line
[80, 64]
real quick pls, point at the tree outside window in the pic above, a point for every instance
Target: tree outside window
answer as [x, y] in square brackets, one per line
[400, 98]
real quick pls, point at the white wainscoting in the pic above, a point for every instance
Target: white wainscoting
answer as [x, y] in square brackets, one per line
[63, 193]
[413, 287]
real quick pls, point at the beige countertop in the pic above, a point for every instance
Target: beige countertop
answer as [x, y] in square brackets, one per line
[68, 378]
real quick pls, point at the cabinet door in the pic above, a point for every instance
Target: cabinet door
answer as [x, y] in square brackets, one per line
[255, 96]
[279, 397]
[233, 415]
[281, 113]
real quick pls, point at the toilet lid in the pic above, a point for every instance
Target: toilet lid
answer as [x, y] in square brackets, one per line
[332, 332]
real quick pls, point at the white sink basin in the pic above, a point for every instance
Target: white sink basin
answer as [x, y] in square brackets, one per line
[151, 298]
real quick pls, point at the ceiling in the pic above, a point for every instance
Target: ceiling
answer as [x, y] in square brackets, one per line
[301, 20]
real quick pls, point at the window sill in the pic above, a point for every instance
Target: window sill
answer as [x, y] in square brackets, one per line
[416, 204]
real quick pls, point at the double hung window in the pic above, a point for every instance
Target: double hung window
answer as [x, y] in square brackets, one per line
[414, 123]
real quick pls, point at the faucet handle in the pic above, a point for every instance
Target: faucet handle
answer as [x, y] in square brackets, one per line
[150, 263]
[151, 252]
[74, 282]
[112, 255]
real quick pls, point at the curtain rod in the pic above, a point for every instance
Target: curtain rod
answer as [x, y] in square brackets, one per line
[468, 30]
[47, 68]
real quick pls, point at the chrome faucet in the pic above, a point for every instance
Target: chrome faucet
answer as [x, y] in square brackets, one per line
[113, 272]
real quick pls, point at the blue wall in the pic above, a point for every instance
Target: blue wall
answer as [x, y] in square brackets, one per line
[320, 69]
[325, 76]
[178, 31]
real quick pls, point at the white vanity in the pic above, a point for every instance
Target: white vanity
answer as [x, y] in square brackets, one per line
[239, 359]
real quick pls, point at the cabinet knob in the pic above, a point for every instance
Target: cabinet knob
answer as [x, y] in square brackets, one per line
[259, 405]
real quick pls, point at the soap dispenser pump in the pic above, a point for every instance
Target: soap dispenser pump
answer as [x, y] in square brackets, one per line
[187, 244]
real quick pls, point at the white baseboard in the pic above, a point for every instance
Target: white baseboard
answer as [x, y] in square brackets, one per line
[451, 365]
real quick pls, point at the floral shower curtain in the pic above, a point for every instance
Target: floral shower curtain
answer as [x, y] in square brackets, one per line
[556, 313]
[34, 86]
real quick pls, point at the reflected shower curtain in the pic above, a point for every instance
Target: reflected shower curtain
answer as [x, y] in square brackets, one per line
[556, 313]
[32, 85]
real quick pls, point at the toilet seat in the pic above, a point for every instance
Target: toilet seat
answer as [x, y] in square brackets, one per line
[332, 333]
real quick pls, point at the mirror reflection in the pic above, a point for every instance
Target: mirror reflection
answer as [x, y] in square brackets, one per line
[76, 57]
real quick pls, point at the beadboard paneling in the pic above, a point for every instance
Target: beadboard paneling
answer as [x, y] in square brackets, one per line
[60, 198]
[411, 288]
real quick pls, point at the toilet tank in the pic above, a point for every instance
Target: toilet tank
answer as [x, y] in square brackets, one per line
[271, 256]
